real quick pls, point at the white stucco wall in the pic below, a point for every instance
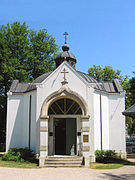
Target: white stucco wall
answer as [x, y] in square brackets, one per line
[97, 127]
[90, 103]
[105, 121]
[14, 122]
[34, 124]
[18, 121]
[117, 122]
[101, 113]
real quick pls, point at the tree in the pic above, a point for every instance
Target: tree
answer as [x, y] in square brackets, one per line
[131, 90]
[131, 100]
[24, 55]
[42, 52]
[105, 74]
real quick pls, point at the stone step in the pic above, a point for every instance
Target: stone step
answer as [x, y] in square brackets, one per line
[62, 165]
[132, 156]
[63, 161]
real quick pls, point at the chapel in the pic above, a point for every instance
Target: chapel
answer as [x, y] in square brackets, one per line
[66, 113]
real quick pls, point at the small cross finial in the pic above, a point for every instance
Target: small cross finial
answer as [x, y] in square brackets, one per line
[65, 34]
[64, 71]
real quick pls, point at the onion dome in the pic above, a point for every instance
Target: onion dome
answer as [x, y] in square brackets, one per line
[65, 55]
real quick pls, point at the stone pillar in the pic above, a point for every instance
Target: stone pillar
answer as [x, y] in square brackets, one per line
[85, 140]
[43, 139]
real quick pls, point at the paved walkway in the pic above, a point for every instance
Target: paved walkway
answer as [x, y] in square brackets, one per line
[124, 173]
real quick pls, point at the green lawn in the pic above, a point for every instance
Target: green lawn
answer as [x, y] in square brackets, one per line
[18, 164]
[113, 165]
[105, 166]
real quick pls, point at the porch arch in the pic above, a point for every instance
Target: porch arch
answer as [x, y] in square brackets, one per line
[64, 93]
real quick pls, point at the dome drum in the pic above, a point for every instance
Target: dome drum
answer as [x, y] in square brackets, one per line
[65, 56]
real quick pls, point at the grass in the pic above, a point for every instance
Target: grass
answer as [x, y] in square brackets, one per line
[105, 166]
[113, 164]
[18, 164]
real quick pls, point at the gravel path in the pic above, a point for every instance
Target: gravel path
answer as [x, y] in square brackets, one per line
[124, 173]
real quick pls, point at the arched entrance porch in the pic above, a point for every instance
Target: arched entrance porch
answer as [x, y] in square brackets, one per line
[64, 125]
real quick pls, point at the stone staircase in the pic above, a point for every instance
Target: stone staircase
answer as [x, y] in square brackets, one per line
[63, 161]
[131, 156]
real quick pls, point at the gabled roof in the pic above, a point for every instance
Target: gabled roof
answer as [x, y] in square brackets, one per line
[17, 87]
[130, 111]
[112, 87]
[42, 77]
[109, 87]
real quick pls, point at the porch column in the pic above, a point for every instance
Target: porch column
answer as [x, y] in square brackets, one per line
[85, 140]
[43, 139]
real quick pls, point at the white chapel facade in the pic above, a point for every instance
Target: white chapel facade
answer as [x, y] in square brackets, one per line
[66, 112]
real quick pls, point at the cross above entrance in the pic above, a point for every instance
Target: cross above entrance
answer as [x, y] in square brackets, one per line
[64, 71]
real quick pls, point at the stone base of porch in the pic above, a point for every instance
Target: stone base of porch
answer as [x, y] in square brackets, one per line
[65, 161]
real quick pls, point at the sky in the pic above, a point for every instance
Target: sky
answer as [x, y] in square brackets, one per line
[101, 32]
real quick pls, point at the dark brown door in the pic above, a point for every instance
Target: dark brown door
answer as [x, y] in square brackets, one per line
[60, 136]
[65, 136]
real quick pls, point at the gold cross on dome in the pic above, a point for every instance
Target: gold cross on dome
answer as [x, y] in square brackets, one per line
[64, 71]
[65, 34]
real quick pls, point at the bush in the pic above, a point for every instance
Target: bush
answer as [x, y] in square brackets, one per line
[18, 154]
[105, 156]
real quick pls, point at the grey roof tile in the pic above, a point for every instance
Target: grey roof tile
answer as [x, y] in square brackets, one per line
[106, 86]
[13, 85]
[42, 77]
[130, 111]
[31, 87]
[21, 87]
[117, 85]
[110, 87]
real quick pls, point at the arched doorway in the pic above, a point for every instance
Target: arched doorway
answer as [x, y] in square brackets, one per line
[71, 107]
[64, 127]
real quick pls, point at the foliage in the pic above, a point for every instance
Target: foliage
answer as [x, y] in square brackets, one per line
[109, 160]
[130, 125]
[106, 74]
[105, 155]
[19, 155]
[24, 55]
[43, 49]
[131, 91]
[130, 100]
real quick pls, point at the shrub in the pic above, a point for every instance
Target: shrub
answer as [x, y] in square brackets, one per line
[110, 154]
[18, 154]
[105, 156]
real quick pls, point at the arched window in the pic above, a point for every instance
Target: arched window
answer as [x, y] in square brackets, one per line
[65, 106]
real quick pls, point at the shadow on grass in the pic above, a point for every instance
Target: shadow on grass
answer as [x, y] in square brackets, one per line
[117, 161]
